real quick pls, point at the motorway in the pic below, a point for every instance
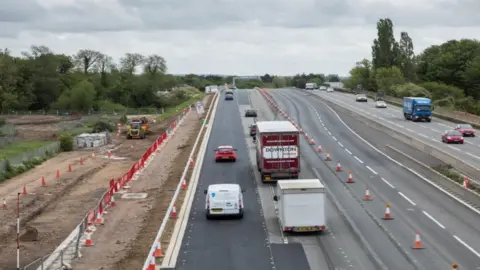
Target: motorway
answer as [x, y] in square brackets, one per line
[427, 132]
[449, 230]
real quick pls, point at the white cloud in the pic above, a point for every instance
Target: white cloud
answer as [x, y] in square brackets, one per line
[241, 37]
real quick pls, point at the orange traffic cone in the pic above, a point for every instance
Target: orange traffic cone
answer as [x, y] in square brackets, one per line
[109, 154]
[306, 136]
[454, 266]
[301, 131]
[88, 241]
[417, 244]
[44, 183]
[192, 163]
[69, 167]
[350, 177]
[99, 220]
[81, 160]
[312, 142]
[93, 154]
[388, 215]
[152, 265]
[158, 250]
[339, 167]
[327, 157]
[320, 149]
[173, 214]
[184, 184]
[367, 195]
[4, 205]
[58, 174]
[25, 190]
[465, 182]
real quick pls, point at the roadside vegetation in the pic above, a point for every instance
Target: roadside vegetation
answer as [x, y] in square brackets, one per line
[450, 172]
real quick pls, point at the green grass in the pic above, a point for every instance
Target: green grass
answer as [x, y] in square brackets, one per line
[447, 170]
[173, 110]
[18, 148]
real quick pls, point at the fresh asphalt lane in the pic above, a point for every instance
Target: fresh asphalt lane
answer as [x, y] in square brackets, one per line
[442, 248]
[428, 132]
[226, 244]
[338, 247]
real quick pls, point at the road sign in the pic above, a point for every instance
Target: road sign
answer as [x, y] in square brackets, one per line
[212, 194]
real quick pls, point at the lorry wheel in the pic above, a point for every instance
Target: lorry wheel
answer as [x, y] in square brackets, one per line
[429, 120]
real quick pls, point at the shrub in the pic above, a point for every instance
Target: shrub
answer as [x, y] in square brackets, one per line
[124, 119]
[101, 126]
[3, 121]
[66, 142]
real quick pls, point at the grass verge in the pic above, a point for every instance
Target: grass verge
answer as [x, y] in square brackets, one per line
[18, 148]
[173, 110]
[448, 171]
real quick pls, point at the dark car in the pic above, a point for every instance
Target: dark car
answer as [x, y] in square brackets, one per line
[228, 92]
[253, 130]
[452, 136]
[228, 97]
[251, 113]
[466, 130]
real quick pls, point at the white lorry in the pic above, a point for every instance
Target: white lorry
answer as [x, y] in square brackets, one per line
[300, 205]
[310, 86]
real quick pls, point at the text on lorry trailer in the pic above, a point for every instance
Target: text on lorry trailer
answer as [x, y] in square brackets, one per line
[280, 152]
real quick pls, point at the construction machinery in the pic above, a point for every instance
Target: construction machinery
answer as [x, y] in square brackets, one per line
[138, 128]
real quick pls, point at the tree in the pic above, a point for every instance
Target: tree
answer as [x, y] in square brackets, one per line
[385, 49]
[332, 78]
[80, 98]
[131, 61]
[279, 82]
[388, 77]
[155, 64]
[361, 75]
[86, 59]
[406, 57]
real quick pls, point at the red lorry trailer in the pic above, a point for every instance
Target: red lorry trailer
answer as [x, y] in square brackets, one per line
[277, 150]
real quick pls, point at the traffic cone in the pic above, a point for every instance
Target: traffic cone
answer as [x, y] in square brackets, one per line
[4, 205]
[152, 265]
[112, 201]
[454, 266]
[327, 157]
[88, 241]
[173, 214]
[158, 250]
[312, 142]
[25, 190]
[320, 149]
[306, 136]
[301, 131]
[58, 174]
[69, 167]
[367, 195]
[388, 215]
[184, 184]
[192, 163]
[339, 167]
[350, 177]
[465, 182]
[44, 183]
[93, 154]
[417, 244]
[99, 220]
[109, 153]
[81, 160]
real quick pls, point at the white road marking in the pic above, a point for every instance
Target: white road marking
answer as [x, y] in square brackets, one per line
[339, 143]
[391, 122]
[388, 183]
[444, 125]
[423, 135]
[400, 126]
[333, 137]
[373, 171]
[329, 133]
[472, 155]
[359, 160]
[433, 219]
[453, 147]
[406, 198]
[467, 246]
[410, 130]
[348, 151]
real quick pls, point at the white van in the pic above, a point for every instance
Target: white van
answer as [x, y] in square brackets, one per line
[224, 200]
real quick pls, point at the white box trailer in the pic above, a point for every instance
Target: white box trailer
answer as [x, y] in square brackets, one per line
[300, 205]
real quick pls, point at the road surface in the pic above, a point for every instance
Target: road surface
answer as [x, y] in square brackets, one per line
[449, 230]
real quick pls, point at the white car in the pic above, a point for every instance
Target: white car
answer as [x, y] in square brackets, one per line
[380, 104]
[224, 200]
[330, 89]
[323, 88]
[361, 98]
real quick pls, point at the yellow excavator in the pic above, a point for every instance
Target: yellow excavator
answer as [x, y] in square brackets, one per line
[138, 128]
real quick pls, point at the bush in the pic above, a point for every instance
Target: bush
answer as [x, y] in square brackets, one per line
[410, 90]
[66, 142]
[101, 126]
[124, 119]
[3, 121]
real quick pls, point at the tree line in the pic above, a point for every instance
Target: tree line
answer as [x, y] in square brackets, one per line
[89, 80]
[448, 73]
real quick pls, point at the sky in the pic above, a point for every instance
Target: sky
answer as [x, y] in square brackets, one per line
[243, 37]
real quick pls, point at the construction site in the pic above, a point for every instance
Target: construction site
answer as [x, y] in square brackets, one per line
[55, 195]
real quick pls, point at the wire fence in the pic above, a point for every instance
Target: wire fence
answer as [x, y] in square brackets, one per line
[102, 111]
[39, 153]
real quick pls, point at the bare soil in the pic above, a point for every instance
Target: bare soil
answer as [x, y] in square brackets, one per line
[56, 209]
[130, 229]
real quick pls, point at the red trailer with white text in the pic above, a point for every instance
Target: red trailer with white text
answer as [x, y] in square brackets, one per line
[278, 150]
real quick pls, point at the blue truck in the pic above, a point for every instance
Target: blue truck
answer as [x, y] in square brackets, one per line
[417, 108]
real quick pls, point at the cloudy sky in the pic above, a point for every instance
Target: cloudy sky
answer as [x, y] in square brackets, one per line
[233, 37]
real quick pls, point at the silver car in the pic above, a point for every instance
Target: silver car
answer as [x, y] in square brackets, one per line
[380, 104]
[361, 98]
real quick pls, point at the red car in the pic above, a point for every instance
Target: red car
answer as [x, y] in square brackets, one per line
[452, 136]
[466, 130]
[225, 153]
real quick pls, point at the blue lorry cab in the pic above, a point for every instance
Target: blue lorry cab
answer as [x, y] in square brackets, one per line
[417, 108]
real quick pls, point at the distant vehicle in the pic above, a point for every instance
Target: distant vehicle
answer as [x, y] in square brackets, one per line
[229, 92]
[225, 153]
[452, 136]
[329, 89]
[361, 98]
[253, 130]
[301, 205]
[224, 200]
[228, 97]
[310, 86]
[277, 150]
[323, 88]
[250, 113]
[466, 130]
[417, 108]
[137, 128]
[380, 104]
[233, 87]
